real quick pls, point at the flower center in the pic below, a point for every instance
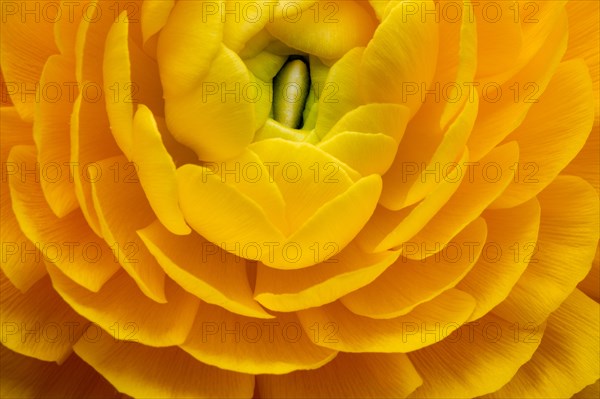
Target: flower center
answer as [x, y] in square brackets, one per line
[291, 86]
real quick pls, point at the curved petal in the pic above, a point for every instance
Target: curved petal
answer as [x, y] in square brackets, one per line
[340, 92]
[26, 42]
[122, 311]
[91, 138]
[254, 346]
[583, 19]
[349, 375]
[216, 117]
[486, 180]
[183, 35]
[20, 267]
[409, 179]
[142, 371]
[38, 323]
[51, 135]
[409, 283]
[389, 119]
[512, 239]
[566, 360]
[203, 269]
[567, 243]
[367, 153]
[156, 171]
[389, 229]
[354, 333]
[155, 14]
[499, 38]
[311, 31]
[291, 290]
[221, 213]
[116, 68]
[547, 145]
[587, 162]
[344, 217]
[478, 358]
[403, 49]
[67, 242]
[242, 21]
[122, 209]
[499, 117]
[24, 377]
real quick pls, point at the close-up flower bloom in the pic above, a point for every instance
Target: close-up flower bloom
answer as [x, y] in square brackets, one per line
[300, 198]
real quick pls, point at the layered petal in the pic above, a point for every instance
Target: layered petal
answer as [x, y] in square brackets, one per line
[566, 360]
[25, 377]
[203, 269]
[250, 345]
[476, 359]
[567, 241]
[349, 376]
[142, 371]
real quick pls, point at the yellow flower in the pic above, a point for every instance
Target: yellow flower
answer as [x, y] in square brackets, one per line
[299, 198]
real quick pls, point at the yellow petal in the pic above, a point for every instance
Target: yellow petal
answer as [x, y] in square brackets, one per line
[366, 153]
[155, 14]
[499, 37]
[142, 371]
[566, 360]
[587, 162]
[291, 290]
[156, 171]
[265, 65]
[66, 26]
[215, 118]
[500, 115]
[26, 42]
[91, 139]
[221, 189]
[306, 176]
[457, 59]
[203, 269]
[583, 43]
[345, 216]
[505, 255]
[68, 242]
[415, 171]
[51, 135]
[121, 310]
[590, 285]
[122, 209]
[38, 323]
[403, 49]
[592, 391]
[190, 29]
[354, 333]
[340, 92]
[478, 358]
[22, 268]
[566, 246]
[253, 346]
[24, 377]
[484, 183]
[388, 229]
[311, 30]
[389, 119]
[242, 20]
[117, 73]
[547, 145]
[349, 375]
[408, 283]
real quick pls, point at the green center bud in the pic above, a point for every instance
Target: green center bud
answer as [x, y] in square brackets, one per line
[291, 86]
